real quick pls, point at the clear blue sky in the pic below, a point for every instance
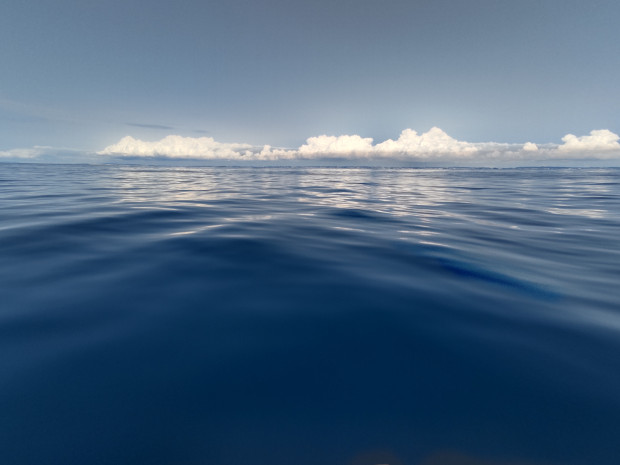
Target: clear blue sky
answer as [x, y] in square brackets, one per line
[83, 74]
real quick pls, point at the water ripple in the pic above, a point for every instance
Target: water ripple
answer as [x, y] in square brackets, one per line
[308, 315]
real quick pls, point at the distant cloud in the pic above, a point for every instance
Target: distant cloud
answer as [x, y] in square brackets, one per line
[332, 145]
[598, 140]
[434, 147]
[24, 153]
[151, 126]
[179, 147]
[431, 146]
[45, 154]
[26, 112]
[429, 143]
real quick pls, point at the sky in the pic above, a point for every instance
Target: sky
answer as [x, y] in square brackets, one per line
[83, 75]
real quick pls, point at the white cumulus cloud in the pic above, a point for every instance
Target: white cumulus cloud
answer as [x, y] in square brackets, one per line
[433, 142]
[431, 146]
[179, 147]
[601, 139]
[336, 145]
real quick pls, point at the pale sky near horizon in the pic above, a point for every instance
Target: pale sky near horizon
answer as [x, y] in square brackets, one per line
[83, 74]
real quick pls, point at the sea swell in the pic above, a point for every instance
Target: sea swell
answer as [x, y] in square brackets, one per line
[306, 315]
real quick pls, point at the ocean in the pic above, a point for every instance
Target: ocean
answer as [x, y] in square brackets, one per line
[309, 316]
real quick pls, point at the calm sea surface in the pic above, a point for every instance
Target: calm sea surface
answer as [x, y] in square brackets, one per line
[302, 316]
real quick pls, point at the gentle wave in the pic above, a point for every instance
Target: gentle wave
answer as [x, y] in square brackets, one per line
[309, 315]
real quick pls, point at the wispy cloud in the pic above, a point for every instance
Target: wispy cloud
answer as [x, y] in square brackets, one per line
[430, 146]
[33, 113]
[45, 154]
[151, 126]
[23, 153]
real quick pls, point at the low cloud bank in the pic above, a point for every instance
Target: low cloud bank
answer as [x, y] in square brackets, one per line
[179, 147]
[23, 154]
[45, 154]
[432, 146]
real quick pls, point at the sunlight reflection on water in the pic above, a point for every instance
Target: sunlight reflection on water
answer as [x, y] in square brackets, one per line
[302, 315]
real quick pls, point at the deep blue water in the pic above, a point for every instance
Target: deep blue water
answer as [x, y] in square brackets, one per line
[232, 316]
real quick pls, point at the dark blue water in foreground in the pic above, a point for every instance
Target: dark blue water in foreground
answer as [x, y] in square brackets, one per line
[236, 316]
